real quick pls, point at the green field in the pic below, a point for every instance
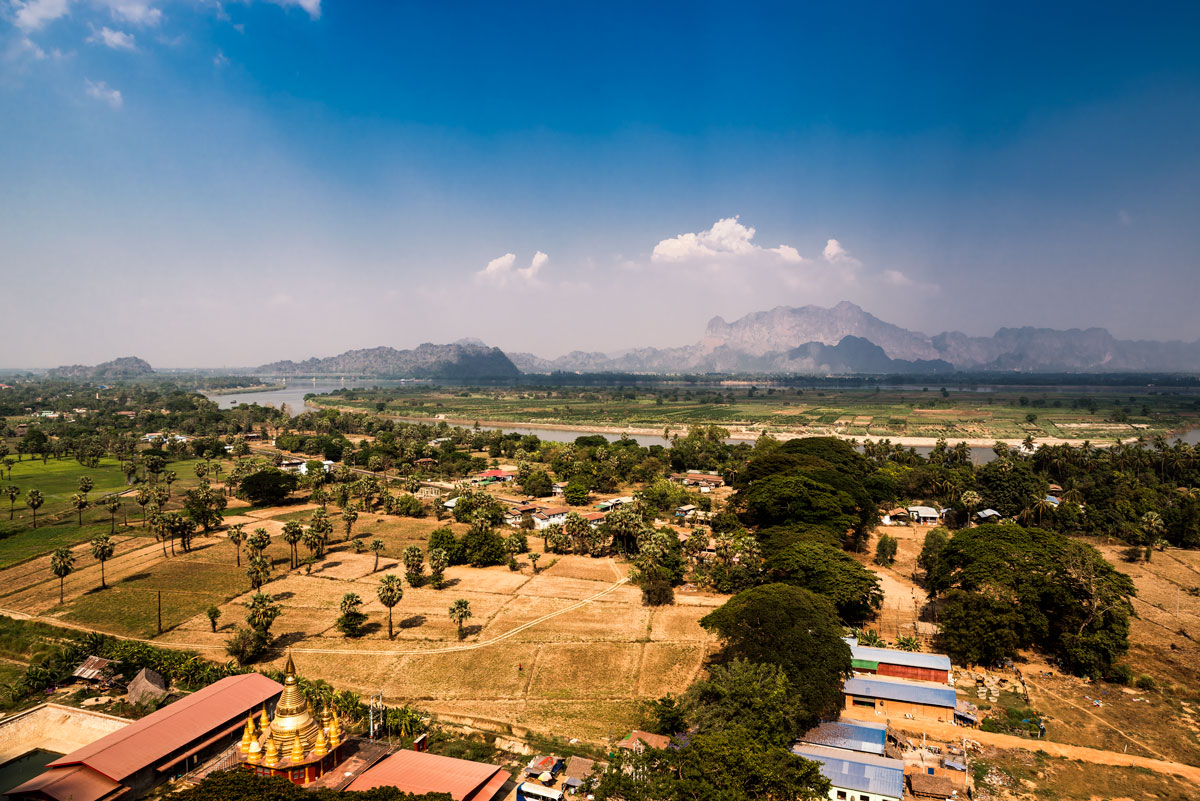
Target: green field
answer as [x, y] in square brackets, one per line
[931, 413]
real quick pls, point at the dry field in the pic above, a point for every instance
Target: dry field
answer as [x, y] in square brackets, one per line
[540, 653]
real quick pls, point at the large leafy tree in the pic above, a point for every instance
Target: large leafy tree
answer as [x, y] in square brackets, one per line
[757, 699]
[204, 505]
[830, 572]
[795, 629]
[721, 766]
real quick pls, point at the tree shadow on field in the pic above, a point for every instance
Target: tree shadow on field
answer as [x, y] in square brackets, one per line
[388, 565]
[372, 627]
[472, 631]
[450, 582]
[287, 640]
[412, 622]
[134, 577]
[285, 595]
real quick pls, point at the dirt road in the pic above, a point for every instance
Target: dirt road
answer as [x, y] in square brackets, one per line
[946, 732]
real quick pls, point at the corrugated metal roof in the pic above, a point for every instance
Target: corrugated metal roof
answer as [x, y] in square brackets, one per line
[849, 734]
[907, 691]
[893, 656]
[923, 511]
[421, 772]
[147, 741]
[92, 668]
[861, 772]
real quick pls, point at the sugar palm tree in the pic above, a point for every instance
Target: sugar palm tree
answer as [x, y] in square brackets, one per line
[112, 505]
[349, 516]
[414, 564]
[293, 532]
[86, 484]
[170, 476]
[970, 501]
[258, 570]
[34, 500]
[80, 502]
[390, 592]
[143, 498]
[62, 562]
[1153, 529]
[460, 613]
[376, 548]
[439, 560]
[13, 492]
[258, 541]
[102, 551]
[236, 535]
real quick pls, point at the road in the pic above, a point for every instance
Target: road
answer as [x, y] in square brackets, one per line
[949, 733]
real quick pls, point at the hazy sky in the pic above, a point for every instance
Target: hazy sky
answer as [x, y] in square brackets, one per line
[206, 184]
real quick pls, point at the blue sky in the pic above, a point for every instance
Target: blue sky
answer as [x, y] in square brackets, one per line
[210, 184]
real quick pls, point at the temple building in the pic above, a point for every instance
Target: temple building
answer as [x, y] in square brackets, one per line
[292, 744]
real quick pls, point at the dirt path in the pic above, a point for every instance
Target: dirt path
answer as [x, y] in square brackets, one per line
[1043, 689]
[954, 734]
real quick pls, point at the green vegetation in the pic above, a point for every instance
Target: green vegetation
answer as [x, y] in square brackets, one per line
[1003, 414]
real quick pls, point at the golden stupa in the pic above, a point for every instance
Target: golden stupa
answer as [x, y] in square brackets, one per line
[293, 722]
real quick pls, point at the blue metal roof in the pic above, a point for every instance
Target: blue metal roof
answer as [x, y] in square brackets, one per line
[906, 691]
[862, 772]
[851, 735]
[893, 656]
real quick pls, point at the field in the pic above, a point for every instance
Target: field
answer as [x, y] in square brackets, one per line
[1161, 720]
[1015, 775]
[570, 650]
[918, 416]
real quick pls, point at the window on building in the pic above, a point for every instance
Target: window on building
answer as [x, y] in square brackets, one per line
[841, 794]
[864, 702]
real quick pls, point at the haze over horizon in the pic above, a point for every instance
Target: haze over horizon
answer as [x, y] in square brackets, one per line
[205, 184]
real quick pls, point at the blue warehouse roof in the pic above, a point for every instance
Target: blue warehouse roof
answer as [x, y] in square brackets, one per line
[861, 772]
[852, 735]
[906, 691]
[894, 656]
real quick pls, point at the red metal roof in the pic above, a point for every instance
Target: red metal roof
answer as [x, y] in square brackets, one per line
[421, 772]
[79, 783]
[147, 741]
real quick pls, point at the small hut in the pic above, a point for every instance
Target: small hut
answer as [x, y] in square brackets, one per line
[147, 686]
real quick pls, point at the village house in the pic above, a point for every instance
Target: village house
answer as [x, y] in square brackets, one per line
[639, 741]
[856, 776]
[901, 699]
[924, 515]
[899, 664]
[849, 735]
[705, 482]
[548, 517]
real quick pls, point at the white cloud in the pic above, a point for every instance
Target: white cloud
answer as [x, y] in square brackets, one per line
[33, 14]
[313, 7]
[220, 59]
[117, 40]
[500, 270]
[896, 278]
[834, 253]
[101, 91]
[137, 12]
[727, 238]
[28, 47]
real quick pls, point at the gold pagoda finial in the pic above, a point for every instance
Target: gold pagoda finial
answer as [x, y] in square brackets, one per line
[263, 720]
[289, 670]
[255, 753]
[272, 754]
[247, 735]
[319, 749]
[297, 749]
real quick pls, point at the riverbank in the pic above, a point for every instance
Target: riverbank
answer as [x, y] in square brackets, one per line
[737, 433]
[208, 393]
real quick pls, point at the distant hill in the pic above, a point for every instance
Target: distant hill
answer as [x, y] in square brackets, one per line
[124, 367]
[847, 339]
[459, 361]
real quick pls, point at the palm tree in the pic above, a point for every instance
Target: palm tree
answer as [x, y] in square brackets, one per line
[376, 548]
[112, 505]
[1153, 528]
[143, 499]
[314, 542]
[62, 562]
[414, 564]
[80, 502]
[258, 541]
[34, 500]
[200, 469]
[460, 612]
[13, 492]
[439, 560]
[293, 532]
[237, 535]
[86, 484]
[349, 516]
[390, 592]
[170, 477]
[534, 556]
[970, 501]
[258, 571]
[102, 551]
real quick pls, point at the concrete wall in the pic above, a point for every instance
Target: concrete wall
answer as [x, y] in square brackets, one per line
[61, 729]
[901, 710]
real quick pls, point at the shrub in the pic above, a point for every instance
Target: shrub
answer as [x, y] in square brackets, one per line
[1145, 682]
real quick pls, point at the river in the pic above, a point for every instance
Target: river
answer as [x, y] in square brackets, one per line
[293, 395]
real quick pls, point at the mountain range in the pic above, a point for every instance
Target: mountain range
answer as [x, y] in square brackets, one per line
[124, 367]
[847, 339]
[465, 361]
